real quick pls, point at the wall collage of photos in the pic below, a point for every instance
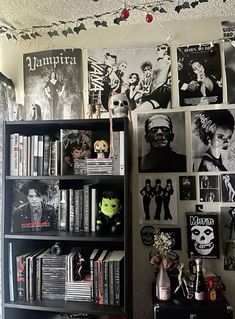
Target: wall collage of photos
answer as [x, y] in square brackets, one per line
[185, 151]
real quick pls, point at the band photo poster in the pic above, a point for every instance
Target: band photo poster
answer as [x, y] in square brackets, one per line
[35, 205]
[213, 140]
[199, 74]
[143, 74]
[53, 84]
[158, 199]
[228, 28]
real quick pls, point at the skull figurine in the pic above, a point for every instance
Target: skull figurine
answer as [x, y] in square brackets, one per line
[203, 237]
[119, 105]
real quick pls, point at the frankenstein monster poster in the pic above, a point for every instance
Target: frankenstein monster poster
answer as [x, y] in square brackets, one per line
[53, 84]
[203, 235]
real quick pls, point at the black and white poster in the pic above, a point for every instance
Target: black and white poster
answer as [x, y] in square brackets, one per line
[229, 56]
[209, 188]
[187, 187]
[143, 74]
[228, 223]
[213, 140]
[161, 142]
[229, 256]
[35, 205]
[53, 84]
[199, 74]
[203, 235]
[228, 188]
[158, 200]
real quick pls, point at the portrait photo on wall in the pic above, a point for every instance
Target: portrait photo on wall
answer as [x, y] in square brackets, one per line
[229, 256]
[228, 223]
[199, 74]
[161, 142]
[175, 233]
[213, 140]
[35, 205]
[143, 74]
[158, 200]
[187, 187]
[53, 84]
[228, 28]
[228, 187]
[203, 235]
[209, 188]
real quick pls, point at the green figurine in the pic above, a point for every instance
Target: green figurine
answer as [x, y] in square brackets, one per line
[109, 216]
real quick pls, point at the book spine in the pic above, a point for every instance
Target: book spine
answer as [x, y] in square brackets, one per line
[94, 209]
[96, 282]
[106, 282]
[76, 210]
[46, 154]
[29, 151]
[63, 210]
[21, 155]
[117, 282]
[20, 277]
[53, 159]
[86, 189]
[11, 273]
[71, 209]
[40, 155]
[25, 156]
[111, 282]
[34, 155]
[14, 170]
[122, 153]
[116, 154]
[38, 278]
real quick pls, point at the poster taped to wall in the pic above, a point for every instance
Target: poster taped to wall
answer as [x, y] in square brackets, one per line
[228, 223]
[203, 235]
[229, 56]
[161, 142]
[53, 84]
[213, 140]
[143, 74]
[199, 74]
[209, 188]
[158, 200]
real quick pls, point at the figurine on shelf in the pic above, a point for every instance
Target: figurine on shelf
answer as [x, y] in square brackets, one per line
[90, 111]
[109, 217]
[98, 110]
[182, 282]
[101, 147]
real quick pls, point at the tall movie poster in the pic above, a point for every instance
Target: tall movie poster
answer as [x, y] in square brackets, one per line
[53, 84]
[143, 74]
[229, 55]
[199, 74]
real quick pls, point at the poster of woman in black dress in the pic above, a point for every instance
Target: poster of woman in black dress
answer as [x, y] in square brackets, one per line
[53, 82]
[143, 74]
[199, 74]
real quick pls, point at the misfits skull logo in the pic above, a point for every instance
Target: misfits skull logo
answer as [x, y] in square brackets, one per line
[203, 237]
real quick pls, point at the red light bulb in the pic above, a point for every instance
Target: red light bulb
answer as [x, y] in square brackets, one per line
[149, 18]
[125, 13]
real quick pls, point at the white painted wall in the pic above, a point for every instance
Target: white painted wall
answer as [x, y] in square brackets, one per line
[182, 32]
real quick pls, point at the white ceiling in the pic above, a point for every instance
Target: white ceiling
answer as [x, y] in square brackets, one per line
[23, 14]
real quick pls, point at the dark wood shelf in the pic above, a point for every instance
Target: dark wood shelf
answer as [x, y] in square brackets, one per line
[67, 177]
[63, 306]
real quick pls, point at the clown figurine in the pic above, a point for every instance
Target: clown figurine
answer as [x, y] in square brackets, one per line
[109, 217]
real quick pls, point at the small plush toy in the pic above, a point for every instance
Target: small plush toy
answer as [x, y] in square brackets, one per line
[109, 217]
[101, 147]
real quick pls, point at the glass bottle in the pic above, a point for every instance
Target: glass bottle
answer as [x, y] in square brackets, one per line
[163, 284]
[212, 294]
[199, 287]
[192, 264]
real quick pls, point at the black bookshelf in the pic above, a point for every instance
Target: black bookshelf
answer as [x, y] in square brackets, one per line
[22, 242]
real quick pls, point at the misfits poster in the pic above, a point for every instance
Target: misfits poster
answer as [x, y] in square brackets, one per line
[229, 54]
[143, 74]
[53, 84]
[203, 235]
[199, 74]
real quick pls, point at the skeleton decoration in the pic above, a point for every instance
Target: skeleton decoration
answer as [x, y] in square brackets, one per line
[119, 105]
[203, 234]
[147, 235]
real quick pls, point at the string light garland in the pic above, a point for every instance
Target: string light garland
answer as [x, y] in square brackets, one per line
[120, 15]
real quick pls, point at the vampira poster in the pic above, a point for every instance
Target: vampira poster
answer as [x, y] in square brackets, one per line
[229, 55]
[199, 74]
[203, 235]
[53, 84]
[143, 74]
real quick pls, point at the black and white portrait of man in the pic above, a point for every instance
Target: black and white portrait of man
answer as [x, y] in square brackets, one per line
[161, 142]
[203, 234]
[187, 187]
[158, 199]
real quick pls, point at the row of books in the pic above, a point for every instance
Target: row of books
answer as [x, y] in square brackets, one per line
[107, 271]
[40, 155]
[78, 209]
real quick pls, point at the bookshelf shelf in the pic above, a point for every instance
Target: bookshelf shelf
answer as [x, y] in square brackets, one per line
[18, 242]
